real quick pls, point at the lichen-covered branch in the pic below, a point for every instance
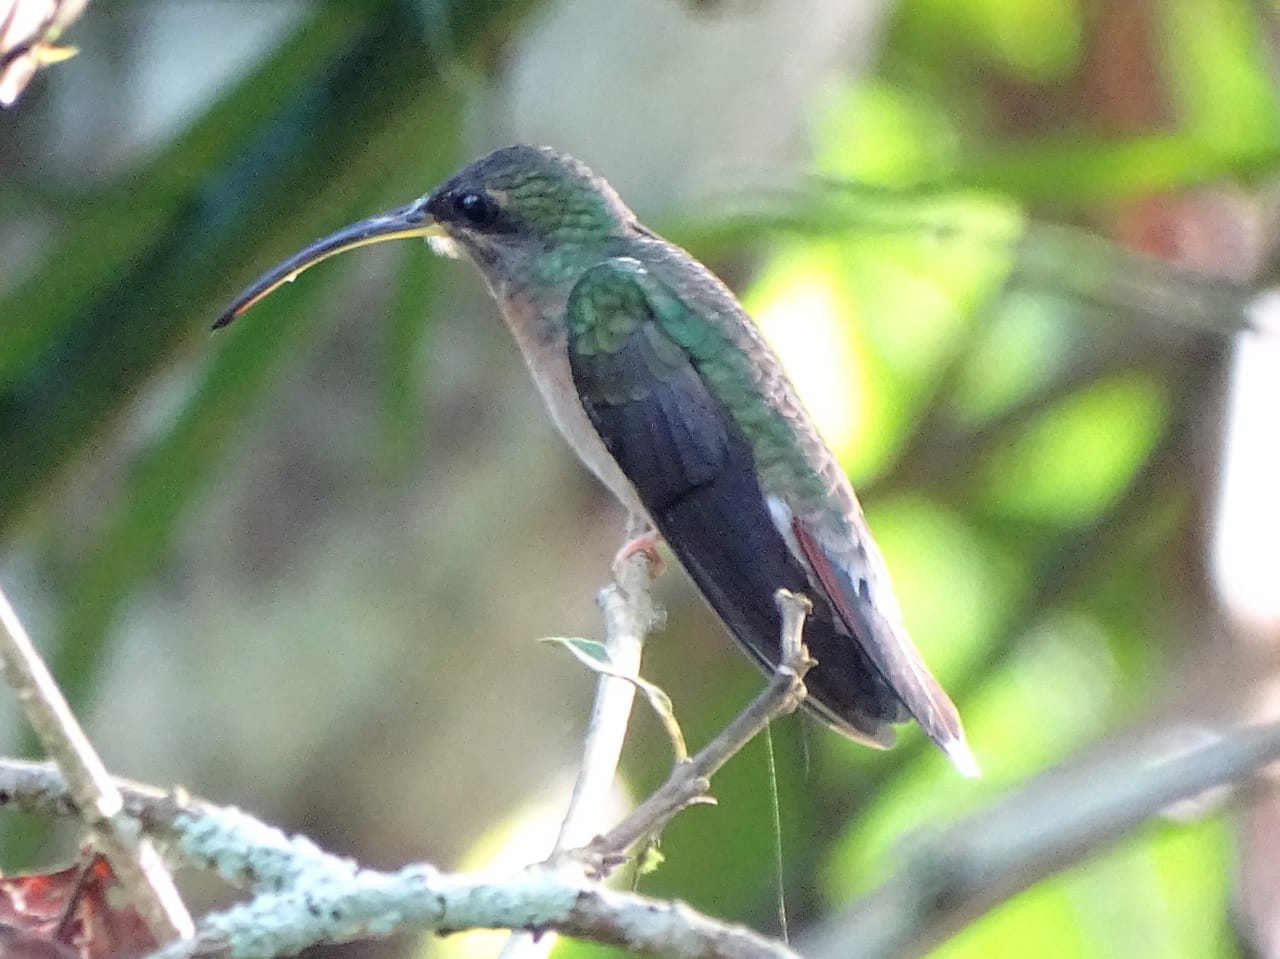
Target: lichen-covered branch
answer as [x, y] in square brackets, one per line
[97, 801]
[304, 896]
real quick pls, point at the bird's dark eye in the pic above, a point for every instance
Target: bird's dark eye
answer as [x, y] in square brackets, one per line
[477, 209]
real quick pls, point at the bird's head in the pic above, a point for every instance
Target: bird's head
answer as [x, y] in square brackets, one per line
[526, 197]
[517, 208]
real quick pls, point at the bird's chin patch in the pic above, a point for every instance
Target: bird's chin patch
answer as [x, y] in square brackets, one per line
[444, 246]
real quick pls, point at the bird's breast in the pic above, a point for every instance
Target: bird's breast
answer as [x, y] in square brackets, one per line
[539, 329]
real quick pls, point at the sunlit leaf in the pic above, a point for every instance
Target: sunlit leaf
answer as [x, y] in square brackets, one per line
[880, 133]
[650, 860]
[1024, 343]
[1075, 458]
[797, 302]
[1223, 73]
[1038, 41]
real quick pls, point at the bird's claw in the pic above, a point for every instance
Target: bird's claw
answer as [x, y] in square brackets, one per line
[646, 543]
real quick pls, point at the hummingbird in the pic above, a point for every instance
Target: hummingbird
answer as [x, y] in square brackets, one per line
[669, 394]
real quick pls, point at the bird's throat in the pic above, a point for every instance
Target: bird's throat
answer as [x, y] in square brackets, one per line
[540, 331]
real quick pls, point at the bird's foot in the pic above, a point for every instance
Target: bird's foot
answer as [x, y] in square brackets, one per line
[646, 543]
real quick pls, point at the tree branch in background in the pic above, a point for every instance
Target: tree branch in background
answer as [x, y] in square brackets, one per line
[949, 879]
[98, 802]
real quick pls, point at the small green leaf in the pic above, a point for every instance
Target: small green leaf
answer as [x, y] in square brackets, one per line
[595, 656]
[649, 860]
[591, 653]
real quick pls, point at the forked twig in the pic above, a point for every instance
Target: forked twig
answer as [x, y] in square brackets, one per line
[689, 781]
[629, 614]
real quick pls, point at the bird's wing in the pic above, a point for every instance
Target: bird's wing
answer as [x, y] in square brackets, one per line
[849, 578]
[689, 464]
[674, 400]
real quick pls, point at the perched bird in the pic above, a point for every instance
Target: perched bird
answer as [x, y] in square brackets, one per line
[662, 384]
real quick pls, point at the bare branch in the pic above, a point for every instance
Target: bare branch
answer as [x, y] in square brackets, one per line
[40, 788]
[690, 780]
[951, 878]
[629, 614]
[134, 860]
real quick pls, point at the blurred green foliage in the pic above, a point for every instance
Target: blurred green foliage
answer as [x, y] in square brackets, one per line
[1025, 570]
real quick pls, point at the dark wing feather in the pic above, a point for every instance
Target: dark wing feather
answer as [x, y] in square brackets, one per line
[695, 473]
[890, 649]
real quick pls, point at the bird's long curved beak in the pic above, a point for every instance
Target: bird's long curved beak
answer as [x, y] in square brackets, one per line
[406, 221]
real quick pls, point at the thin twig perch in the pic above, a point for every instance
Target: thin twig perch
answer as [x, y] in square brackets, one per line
[629, 614]
[690, 780]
